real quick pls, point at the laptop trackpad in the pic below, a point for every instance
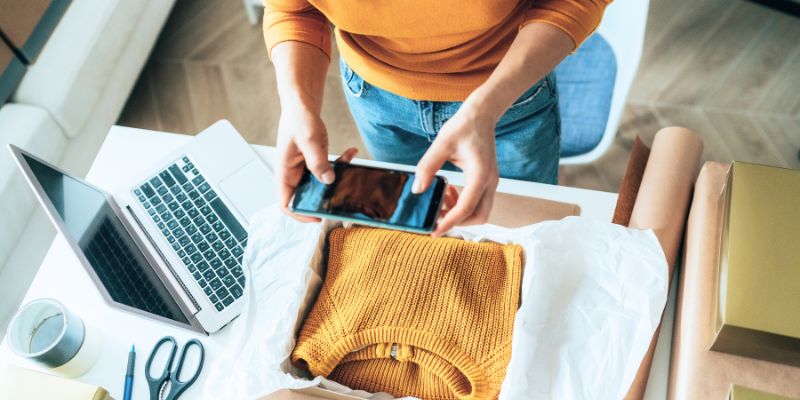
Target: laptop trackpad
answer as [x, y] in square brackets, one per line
[250, 189]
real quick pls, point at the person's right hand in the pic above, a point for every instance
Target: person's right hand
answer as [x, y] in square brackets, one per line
[303, 142]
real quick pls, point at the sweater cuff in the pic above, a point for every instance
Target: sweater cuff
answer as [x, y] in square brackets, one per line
[576, 19]
[313, 32]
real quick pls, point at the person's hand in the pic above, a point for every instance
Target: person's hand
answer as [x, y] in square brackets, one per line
[467, 141]
[303, 142]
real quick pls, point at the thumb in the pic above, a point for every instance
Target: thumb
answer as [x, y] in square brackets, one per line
[316, 158]
[428, 165]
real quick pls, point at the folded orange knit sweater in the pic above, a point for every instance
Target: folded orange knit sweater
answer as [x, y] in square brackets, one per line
[413, 316]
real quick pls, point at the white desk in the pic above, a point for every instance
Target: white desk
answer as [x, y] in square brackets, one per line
[125, 152]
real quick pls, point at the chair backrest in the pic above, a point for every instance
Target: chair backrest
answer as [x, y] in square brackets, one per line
[623, 27]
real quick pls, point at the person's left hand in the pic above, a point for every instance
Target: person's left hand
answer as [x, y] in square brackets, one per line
[467, 141]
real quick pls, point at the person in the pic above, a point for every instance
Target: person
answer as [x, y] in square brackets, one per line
[440, 84]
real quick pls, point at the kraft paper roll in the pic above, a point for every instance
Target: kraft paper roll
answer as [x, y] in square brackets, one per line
[631, 182]
[662, 204]
[695, 371]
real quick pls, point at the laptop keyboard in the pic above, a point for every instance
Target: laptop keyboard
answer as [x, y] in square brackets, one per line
[200, 227]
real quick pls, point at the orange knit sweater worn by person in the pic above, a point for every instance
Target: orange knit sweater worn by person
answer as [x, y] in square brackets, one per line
[464, 83]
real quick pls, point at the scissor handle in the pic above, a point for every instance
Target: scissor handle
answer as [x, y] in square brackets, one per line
[177, 386]
[165, 373]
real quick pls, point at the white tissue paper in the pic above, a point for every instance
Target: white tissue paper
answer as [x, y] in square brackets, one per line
[591, 298]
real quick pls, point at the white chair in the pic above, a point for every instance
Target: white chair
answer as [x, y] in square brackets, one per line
[623, 27]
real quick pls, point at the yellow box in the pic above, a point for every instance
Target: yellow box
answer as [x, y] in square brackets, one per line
[758, 301]
[742, 393]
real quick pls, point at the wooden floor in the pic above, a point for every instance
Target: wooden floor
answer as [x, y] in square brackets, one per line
[728, 69]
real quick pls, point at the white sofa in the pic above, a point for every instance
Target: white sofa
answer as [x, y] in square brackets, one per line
[61, 111]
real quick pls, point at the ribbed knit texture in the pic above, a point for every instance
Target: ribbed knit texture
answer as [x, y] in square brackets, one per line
[413, 316]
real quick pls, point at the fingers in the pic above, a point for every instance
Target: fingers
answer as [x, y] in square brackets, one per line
[449, 200]
[315, 154]
[431, 162]
[347, 156]
[473, 206]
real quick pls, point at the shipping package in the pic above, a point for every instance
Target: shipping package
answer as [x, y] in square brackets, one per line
[592, 294]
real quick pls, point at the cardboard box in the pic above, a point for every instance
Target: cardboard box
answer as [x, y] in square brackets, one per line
[11, 72]
[27, 24]
[758, 285]
[743, 393]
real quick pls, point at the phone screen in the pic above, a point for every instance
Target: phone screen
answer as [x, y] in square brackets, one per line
[370, 194]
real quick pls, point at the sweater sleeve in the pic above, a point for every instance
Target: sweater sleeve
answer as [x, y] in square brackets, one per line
[295, 20]
[578, 18]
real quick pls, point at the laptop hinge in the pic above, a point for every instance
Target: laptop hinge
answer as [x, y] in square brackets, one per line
[165, 261]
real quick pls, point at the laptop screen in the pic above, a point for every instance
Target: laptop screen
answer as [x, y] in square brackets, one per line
[118, 262]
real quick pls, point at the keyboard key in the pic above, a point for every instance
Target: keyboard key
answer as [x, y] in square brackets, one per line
[209, 196]
[230, 221]
[181, 197]
[196, 257]
[199, 220]
[179, 232]
[192, 268]
[191, 249]
[227, 301]
[194, 194]
[187, 186]
[191, 229]
[224, 254]
[202, 266]
[173, 206]
[209, 254]
[184, 241]
[229, 241]
[186, 260]
[147, 190]
[197, 275]
[151, 212]
[155, 201]
[137, 191]
[172, 224]
[204, 187]
[208, 290]
[179, 213]
[209, 274]
[205, 229]
[216, 263]
[240, 280]
[237, 272]
[185, 159]
[181, 253]
[176, 246]
[205, 210]
[171, 239]
[219, 306]
[203, 246]
[212, 237]
[231, 262]
[168, 198]
[161, 208]
[185, 168]
[203, 284]
[146, 204]
[237, 251]
[161, 225]
[193, 212]
[229, 281]
[156, 219]
[187, 205]
[197, 238]
[176, 172]
[217, 245]
[218, 226]
[156, 182]
[175, 190]
[162, 190]
[213, 298]
[186, 223]
[198, 180]
[167, 178]
[141, 198]
[222, 292]
[215, 284]
[236, 291]
[199, 202]
[194, 170]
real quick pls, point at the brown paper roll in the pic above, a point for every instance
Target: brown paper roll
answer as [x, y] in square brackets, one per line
[662, 204]
[695, 371]
[631, 182]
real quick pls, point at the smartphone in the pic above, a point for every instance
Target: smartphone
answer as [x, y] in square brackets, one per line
[370, 196]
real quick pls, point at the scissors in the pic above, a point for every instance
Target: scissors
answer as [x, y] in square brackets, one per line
[168, 385]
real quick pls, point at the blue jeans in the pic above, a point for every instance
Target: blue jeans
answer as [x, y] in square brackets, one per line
[400, 130]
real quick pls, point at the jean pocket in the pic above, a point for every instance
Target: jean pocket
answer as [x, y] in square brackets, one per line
[529, 97]
[351, 81]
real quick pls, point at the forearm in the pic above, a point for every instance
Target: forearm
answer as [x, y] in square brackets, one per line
[537, 49]
[300, 71]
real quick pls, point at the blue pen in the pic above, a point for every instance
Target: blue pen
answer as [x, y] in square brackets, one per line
[129, 374]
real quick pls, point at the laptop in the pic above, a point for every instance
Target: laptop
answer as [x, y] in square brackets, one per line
[170, 243]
